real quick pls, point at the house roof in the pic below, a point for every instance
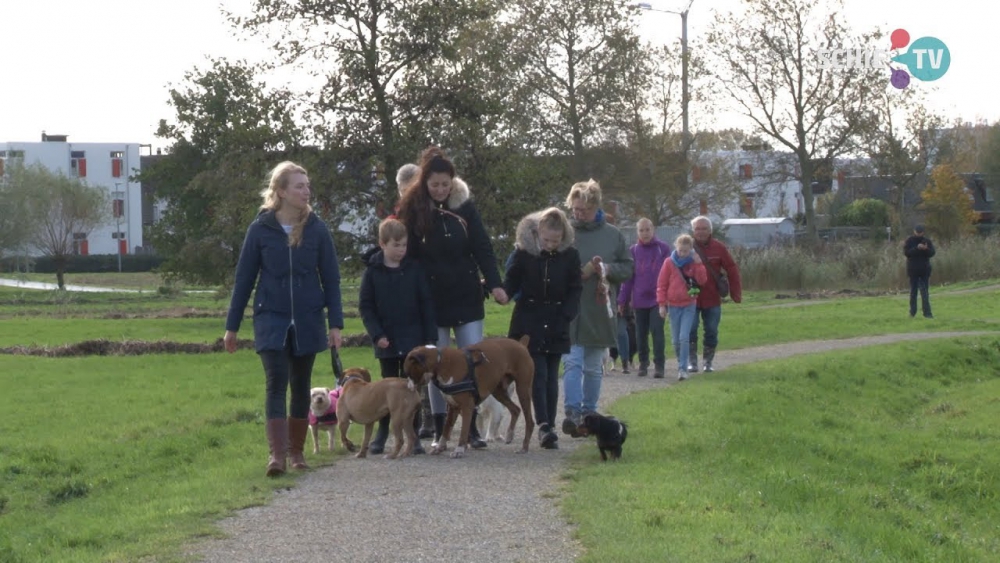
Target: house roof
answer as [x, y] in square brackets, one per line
[756, 221]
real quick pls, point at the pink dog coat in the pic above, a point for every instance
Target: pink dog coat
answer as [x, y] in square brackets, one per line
[329, 418]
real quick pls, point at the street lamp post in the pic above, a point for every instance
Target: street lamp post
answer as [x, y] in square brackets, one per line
[685, 98]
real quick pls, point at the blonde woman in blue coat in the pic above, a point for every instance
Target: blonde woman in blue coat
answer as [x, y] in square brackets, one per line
[288, 254]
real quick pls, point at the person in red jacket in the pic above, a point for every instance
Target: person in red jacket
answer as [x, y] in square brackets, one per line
[677, 287]
[722, 270]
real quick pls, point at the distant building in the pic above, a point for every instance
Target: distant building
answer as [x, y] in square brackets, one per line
[760, 232]
[768, 181]
[981, 188]
[105, 165]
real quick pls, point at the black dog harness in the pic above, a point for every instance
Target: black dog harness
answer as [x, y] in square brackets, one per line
[466, 385]
[342, 382]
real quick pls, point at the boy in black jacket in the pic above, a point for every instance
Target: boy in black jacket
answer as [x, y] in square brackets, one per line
[919, 249]
[395, 305]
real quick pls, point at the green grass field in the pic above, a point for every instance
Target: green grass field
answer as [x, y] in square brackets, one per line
[881, 454]
[887, 454]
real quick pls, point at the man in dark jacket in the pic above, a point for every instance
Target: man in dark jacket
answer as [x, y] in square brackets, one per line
[919, 249]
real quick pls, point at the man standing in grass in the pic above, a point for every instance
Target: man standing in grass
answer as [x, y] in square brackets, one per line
[919, 249]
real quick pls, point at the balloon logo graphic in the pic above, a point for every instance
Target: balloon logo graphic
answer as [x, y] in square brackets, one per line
[900, 79]
[900, 38]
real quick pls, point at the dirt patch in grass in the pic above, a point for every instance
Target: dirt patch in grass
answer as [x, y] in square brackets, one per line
[104, 347]
[172, 313]
[834, 294]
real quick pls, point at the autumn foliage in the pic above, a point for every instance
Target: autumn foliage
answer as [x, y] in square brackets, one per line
[948, 205]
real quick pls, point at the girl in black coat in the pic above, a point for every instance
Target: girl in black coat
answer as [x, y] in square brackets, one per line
[544, 272]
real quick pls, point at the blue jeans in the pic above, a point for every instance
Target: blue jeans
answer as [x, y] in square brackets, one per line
[920, 283]
[711, 317]
[681, 321]
[582, 372]
[465, 335]
[623, 350]
[649, 321]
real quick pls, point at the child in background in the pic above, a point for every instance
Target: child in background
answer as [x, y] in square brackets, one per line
[677, 288]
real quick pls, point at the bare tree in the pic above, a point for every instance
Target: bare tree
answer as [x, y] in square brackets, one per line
[770, 62]
[900, 139]
[14, 224]
[57, 209]
[580, 59]
[359, 53]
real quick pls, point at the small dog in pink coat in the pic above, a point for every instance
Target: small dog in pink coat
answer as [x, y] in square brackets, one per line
[323, 414]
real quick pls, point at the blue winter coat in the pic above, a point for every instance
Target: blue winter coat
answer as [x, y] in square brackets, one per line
[294, 285]
[395, 303]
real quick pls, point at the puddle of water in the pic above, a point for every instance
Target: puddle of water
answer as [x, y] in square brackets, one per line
[69, 287]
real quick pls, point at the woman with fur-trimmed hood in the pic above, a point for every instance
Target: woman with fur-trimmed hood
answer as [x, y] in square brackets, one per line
[447, 236]
[545, 273]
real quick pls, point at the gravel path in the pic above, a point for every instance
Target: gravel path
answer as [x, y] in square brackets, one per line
[493, 504]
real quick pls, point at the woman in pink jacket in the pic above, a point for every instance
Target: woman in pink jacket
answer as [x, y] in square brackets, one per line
[677, 288]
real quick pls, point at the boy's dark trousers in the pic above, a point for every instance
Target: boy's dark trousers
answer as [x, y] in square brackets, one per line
[392, 367]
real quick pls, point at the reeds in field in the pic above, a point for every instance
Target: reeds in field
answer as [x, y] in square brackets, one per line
[863, 264]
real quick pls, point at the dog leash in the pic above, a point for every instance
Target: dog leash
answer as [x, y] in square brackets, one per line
[338, 368]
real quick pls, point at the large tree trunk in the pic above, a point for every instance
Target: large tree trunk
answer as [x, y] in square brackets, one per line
[806, 166]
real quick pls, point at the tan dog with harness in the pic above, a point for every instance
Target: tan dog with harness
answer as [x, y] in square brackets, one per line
[365, 403]
[468, 375]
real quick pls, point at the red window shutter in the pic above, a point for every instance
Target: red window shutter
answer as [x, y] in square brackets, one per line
[82, 168]
[703, 207]
[118, 207]
[84, 248]
[695, 173]
[122, 246]
[116, 167]
[749, 170]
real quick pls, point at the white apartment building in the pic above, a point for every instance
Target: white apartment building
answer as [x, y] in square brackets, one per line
[107, 165]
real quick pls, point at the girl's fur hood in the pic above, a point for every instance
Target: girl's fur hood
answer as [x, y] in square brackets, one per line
[527, 235]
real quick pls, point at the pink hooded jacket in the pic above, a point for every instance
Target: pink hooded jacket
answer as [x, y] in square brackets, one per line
[672, 290]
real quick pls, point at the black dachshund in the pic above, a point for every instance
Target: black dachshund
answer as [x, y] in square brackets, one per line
[610, 432]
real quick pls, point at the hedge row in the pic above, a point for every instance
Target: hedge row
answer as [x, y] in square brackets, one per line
[94, 263]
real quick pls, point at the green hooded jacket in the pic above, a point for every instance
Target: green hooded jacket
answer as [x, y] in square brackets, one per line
[593, 327]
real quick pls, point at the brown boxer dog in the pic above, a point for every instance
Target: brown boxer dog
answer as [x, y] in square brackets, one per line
[468, 375]
[365, 402]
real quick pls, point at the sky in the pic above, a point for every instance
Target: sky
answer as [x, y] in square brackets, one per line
[101, 70]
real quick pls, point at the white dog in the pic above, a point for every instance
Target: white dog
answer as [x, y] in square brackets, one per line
[323, 414]
[492, 414]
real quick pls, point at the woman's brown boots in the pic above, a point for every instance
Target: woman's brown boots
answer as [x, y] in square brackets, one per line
[277, 440]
